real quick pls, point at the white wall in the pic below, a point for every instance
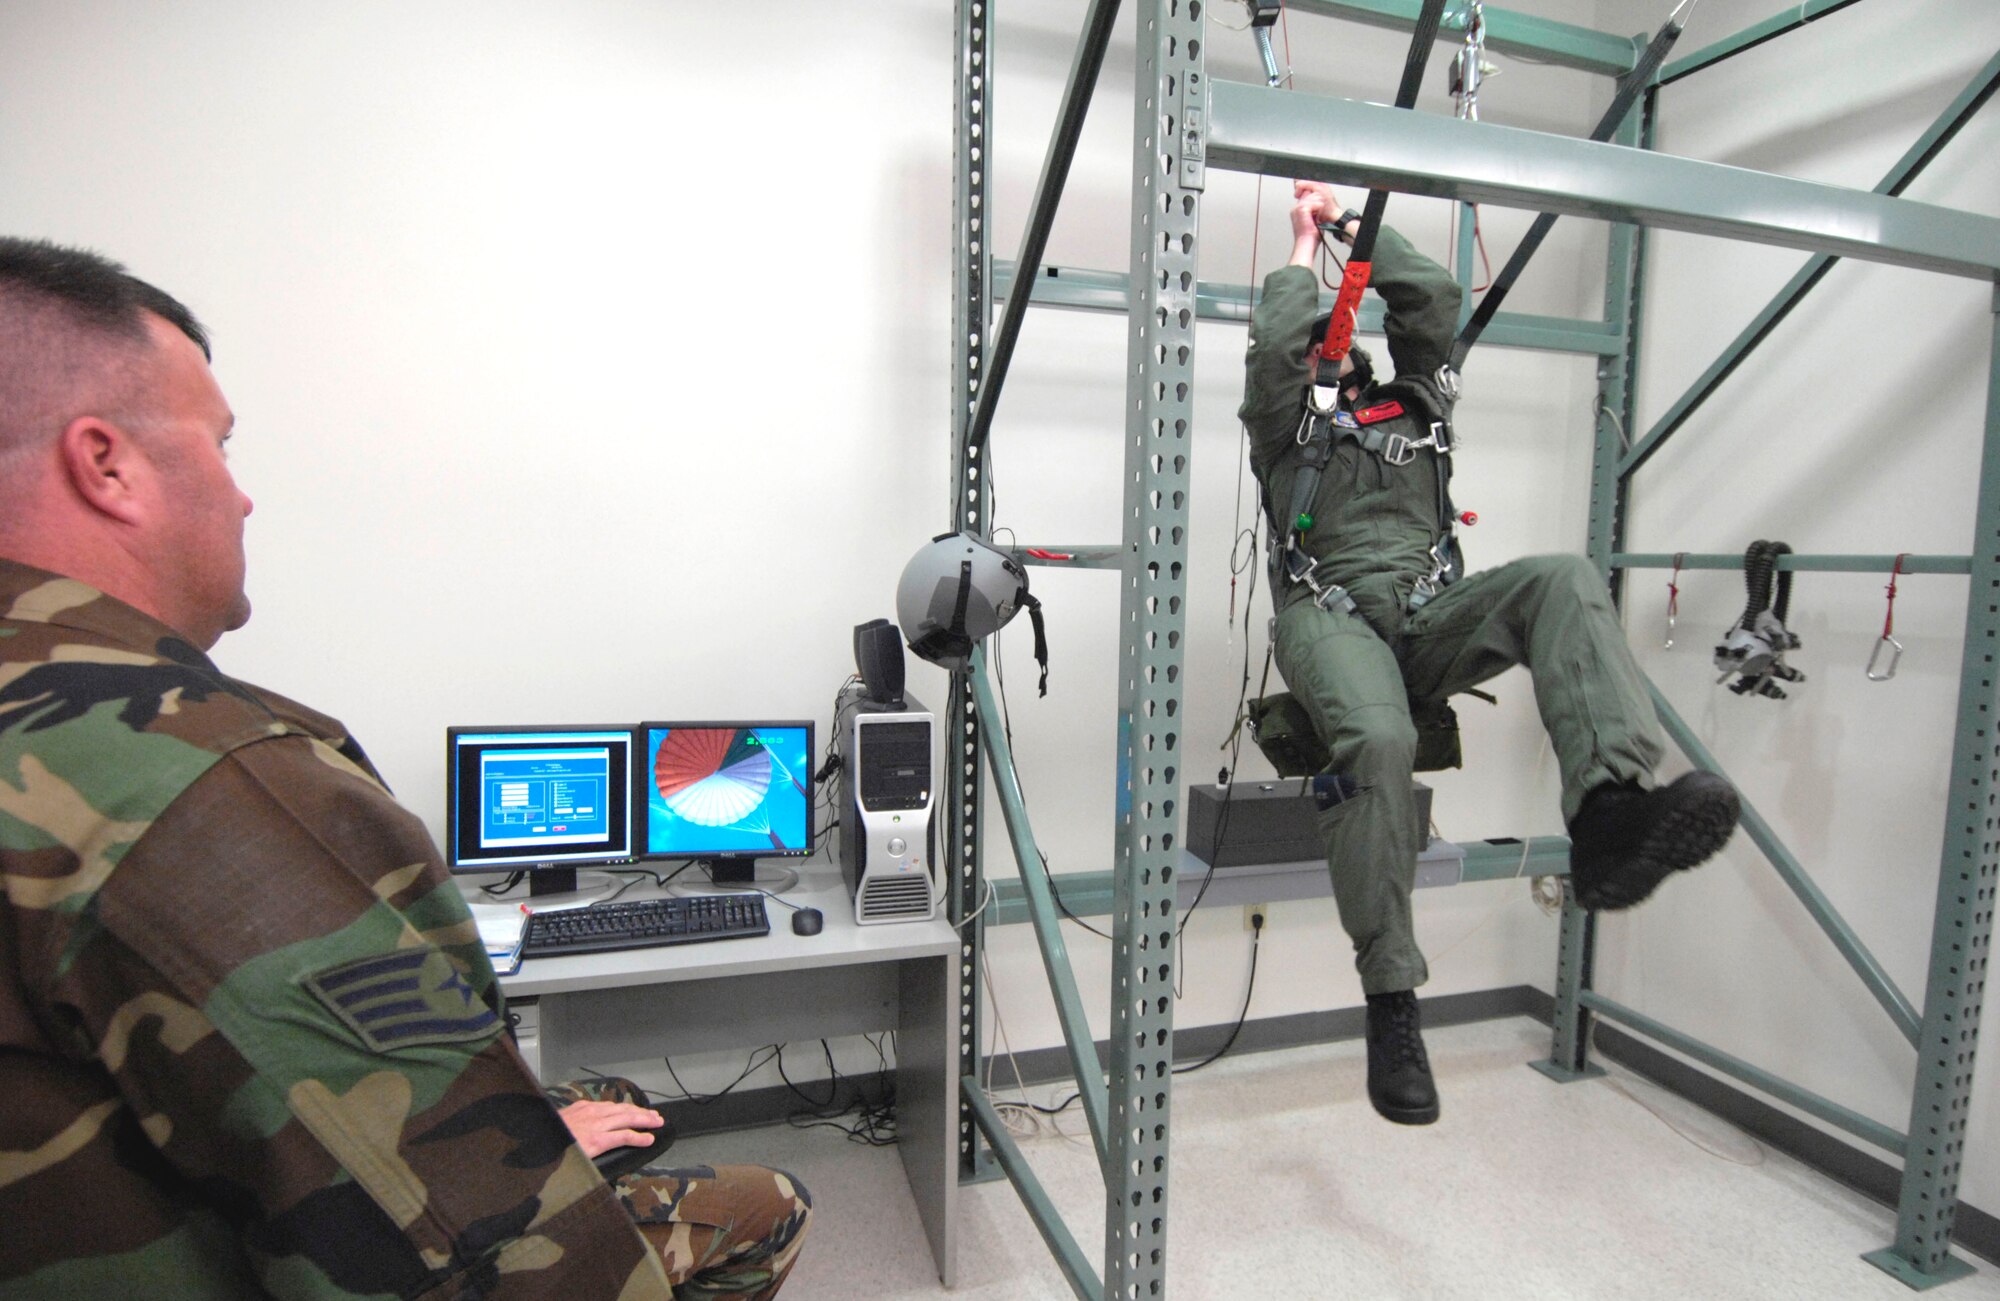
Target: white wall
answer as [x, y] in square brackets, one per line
[505, 298]
[1856, 428]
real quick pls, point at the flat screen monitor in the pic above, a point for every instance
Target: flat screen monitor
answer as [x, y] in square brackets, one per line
[727, 794]
[551, 799]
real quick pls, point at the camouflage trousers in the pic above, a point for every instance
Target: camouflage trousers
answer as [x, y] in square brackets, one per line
[724, 1233]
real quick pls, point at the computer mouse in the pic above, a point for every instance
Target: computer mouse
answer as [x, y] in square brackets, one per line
[807, 921]
[620, 1161]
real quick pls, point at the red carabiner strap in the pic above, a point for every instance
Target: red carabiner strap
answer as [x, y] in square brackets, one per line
[1889, 620]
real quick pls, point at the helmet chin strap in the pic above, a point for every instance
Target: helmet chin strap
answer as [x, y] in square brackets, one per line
[1041, 637]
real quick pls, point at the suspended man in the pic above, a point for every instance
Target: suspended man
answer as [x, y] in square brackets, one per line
[1376, 629]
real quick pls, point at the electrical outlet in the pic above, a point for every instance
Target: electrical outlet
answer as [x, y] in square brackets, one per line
[1256, 916]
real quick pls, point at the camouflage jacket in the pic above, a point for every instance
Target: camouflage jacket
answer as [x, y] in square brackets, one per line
[249, 1043]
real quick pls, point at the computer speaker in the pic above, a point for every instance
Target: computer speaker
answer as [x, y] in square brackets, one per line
[878, 658]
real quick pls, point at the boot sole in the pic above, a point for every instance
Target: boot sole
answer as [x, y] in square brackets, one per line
[1696, 825]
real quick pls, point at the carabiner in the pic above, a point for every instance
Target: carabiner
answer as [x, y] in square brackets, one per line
[1896, 654]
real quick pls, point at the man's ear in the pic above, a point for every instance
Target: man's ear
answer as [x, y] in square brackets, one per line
[106, 468]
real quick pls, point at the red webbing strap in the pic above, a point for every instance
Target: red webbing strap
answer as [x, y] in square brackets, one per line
[1346, 312]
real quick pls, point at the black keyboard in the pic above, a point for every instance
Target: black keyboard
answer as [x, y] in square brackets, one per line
[643, 923]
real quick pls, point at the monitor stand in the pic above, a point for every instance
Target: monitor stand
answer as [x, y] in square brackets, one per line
[550, 886]
[741, 874]
[731, 871]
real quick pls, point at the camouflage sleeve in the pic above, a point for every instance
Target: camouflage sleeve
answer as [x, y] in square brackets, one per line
[304, 1045]
[1275, 364]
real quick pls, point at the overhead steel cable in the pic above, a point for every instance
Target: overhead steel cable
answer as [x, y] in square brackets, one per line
[1630, 88]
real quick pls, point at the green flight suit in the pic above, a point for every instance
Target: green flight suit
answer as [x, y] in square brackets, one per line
[1357, 672]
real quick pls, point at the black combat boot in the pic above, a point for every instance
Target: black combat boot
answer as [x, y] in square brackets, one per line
[1625, 841]
[1399, 1073]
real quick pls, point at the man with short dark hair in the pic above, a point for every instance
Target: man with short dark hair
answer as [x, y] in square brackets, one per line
[250, 1044]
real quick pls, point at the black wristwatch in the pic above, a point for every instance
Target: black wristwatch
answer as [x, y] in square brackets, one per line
[1338, 229]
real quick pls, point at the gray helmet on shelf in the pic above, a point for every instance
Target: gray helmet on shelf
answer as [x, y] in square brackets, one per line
[958, 588]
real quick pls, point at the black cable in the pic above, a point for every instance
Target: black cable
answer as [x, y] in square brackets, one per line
[832, 1080]
[874, 1118]
[754, 1065]
[1256, 941]
[513, 879]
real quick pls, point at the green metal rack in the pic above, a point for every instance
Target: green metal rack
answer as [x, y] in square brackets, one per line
[1183, 124]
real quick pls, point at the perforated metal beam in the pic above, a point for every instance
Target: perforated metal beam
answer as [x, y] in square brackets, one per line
[1168, 172]
[1278, 133]
[1962, 925]
[972, 305]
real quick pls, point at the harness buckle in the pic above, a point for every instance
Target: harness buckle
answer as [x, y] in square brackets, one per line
[1323, 399]
[1441, 438]
[1399, 450]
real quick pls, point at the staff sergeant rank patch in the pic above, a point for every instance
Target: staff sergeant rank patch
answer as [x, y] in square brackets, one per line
[404, 999]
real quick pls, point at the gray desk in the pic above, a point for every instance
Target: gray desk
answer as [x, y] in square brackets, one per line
[728, 994]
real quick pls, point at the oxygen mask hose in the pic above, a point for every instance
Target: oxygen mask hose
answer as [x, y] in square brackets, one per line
[1755, 646]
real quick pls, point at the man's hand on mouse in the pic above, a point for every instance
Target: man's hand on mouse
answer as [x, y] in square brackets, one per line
[598, 1127]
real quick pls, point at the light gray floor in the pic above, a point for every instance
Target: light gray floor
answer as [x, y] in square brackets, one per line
[1285, 1184]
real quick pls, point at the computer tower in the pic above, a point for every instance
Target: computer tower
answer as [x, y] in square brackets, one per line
[886, 792]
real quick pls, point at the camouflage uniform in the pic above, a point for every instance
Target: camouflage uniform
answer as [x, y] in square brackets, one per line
[723, 1232]
[1356, 671]
[250, 1044]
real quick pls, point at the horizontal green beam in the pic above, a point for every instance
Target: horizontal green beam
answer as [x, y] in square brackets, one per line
[1507, 32]
[1750, 38]
[1035, 1200]
[1800, 563]
[1078, 289]
[1278, 133]
[1784, 1090]
[1073, 557]
[1088, 894]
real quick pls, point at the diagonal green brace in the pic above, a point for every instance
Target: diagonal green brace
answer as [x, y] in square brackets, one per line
[1751, 37]
[1077, 1037]
[1082, 1278]
[1892, 999]
[1784, 1090]
[1907, 168]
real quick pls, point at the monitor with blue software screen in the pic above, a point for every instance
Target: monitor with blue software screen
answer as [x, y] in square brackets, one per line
[550, 799]
[727, 794]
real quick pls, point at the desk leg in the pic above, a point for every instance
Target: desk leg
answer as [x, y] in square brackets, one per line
[927, 1100]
